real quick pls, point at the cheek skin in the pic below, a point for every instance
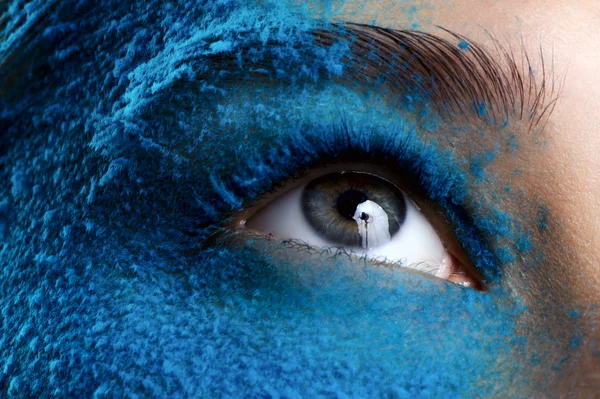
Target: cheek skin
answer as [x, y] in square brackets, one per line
[381, 320]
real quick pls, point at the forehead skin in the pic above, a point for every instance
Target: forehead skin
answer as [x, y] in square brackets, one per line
[565, 175]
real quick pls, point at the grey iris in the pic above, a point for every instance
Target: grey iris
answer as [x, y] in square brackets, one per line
[329, 203]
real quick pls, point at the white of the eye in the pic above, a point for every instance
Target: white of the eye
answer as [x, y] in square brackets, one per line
[415, 245]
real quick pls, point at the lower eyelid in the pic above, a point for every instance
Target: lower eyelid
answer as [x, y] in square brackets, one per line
[256, 239]
[242, 236]
[455, 270]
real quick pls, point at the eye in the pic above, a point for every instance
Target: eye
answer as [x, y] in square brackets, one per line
[365, 215]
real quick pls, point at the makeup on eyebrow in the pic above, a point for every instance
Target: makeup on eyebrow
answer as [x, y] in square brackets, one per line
[459, 77]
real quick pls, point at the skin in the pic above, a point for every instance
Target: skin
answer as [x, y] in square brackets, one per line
[147, 301]
[565, 174]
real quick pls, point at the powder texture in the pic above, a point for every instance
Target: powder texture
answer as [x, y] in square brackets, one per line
[124, 147]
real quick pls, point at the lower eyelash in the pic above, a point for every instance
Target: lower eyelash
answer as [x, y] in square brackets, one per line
[336, 252]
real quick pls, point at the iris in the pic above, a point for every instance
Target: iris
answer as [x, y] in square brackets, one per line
[336, 206]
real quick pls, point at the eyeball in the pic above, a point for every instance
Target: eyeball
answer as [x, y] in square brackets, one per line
[361, 213]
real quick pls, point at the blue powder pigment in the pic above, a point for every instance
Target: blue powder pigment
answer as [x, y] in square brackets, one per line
[129, 148]
[463, 45]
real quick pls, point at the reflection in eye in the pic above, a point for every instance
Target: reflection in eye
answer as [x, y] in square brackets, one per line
[365, 215]
[354, 209]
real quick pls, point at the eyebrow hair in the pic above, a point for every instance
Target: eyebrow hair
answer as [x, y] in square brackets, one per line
[460, 77]
[457, 77]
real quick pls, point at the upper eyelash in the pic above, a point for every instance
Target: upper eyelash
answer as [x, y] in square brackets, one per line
[408, 154]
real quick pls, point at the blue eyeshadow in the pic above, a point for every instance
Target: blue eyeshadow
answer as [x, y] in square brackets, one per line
[128, 156]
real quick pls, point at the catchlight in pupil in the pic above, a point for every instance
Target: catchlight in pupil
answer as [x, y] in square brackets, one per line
[354, 209]
[348, 201]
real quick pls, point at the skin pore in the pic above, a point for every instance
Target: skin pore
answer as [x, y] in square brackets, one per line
[136, 133]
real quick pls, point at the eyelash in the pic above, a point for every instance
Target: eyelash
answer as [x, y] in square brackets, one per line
[434, 173]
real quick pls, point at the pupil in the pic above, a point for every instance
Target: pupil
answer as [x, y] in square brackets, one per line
[348, 201]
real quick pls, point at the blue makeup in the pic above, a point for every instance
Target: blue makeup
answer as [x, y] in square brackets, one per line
[154, 123]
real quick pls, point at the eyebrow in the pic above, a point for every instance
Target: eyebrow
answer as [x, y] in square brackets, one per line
[458, 76]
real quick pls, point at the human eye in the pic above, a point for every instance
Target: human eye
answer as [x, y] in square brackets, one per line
[359, 209]
[439, 131]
